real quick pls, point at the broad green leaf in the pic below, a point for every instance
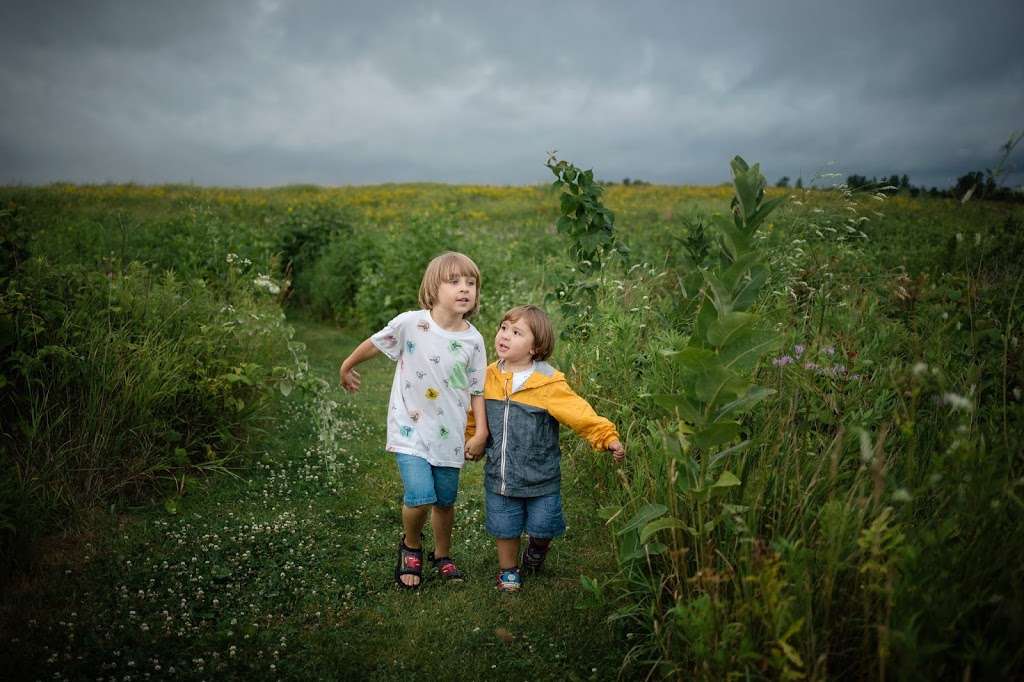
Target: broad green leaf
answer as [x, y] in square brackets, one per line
[739, 447]
[746, 401]
[630, 548]
[655, 526]
[738, 165]
[716, 434]
[609, 513]
[656, 548]
[747, 347]
[674, 402]
[692, 359]
[766, 207]
[721, 297]
[719, 383]
[745, 181]
[738, 269]
[745, 294]
[647, 513]
[705, 316]
[691, 284]
[725, 327]
[735, 241]
[726, 480]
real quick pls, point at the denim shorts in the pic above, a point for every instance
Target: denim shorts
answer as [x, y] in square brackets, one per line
[425, 483]
[508, 517]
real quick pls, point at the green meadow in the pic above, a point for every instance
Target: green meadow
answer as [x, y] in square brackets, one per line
[819, 390]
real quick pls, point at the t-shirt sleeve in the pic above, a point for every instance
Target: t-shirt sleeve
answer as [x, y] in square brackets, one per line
[477, 368]
[391, 338]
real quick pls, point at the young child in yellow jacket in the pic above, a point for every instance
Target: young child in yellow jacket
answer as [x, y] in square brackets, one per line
[526, 399]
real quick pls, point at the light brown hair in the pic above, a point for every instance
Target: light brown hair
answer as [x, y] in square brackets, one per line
[440, 270]
[540, 326]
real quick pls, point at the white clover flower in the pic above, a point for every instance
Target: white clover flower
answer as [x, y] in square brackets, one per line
[957, 402]
[264, 282]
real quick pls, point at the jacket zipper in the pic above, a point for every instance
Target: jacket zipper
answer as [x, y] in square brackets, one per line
[504, 438]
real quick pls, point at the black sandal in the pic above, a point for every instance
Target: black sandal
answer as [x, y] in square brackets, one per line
[446, 567]
[410, 562]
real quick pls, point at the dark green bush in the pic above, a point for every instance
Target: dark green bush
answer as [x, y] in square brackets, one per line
[112, 380]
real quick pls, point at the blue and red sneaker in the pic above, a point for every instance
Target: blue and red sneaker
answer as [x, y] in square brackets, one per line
[509, 580]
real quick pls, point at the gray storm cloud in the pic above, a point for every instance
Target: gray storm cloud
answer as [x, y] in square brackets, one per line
[271, 93]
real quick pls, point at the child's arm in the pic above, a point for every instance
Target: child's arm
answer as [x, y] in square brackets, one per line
[576, 413]
[475, 444]
[349, 376]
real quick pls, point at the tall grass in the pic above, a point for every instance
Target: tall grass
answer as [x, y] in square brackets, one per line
[123, 381]
[871, 527]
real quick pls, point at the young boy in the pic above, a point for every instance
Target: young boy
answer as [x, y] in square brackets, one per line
[441, 358]
[526, 400]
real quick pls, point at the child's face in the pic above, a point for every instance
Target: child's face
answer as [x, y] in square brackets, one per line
[456, 294]
[514, 342]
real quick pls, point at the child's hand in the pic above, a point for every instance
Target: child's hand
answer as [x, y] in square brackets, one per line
[349, 379]
[617, 450]
[475, 448]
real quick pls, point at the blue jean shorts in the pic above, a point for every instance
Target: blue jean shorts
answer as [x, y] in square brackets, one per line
[425, 483]
[508, 517]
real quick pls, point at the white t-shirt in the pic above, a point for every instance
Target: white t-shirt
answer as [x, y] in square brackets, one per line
[438, 370]
[519, 378]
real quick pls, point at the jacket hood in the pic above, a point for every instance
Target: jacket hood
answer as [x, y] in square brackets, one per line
[543, 374]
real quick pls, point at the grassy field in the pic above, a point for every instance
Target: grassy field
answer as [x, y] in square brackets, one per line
[286, 572]
[186, 493]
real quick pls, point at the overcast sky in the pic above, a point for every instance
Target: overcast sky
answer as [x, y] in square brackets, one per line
[278, 92]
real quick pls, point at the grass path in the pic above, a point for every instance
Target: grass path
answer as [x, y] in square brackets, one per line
[286, 572]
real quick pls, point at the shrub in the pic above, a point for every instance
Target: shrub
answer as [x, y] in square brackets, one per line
[111, 380]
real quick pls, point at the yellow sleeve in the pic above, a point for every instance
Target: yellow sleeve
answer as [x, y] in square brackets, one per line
[573, 411]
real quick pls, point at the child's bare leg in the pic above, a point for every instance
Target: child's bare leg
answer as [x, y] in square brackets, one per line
[441, 520]
[508, 553]
[413, 520]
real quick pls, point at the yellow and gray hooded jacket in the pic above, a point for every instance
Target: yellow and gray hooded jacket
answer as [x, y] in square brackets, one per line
[522, 448]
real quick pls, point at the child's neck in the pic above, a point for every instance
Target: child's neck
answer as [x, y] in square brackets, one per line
[520, 366]
[449, 320]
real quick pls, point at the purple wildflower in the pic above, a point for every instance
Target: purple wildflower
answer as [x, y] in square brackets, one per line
[829, 350]
[782, 361]
[798, 349]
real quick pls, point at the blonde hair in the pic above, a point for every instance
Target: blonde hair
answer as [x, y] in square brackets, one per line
[540, 326]
[440, 270]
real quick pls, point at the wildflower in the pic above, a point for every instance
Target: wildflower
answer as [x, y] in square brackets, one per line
[782, 361]
[919, 368]
[901, 495]
[829, 350]
[798, 349]
[264, 282]
[956, 401]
